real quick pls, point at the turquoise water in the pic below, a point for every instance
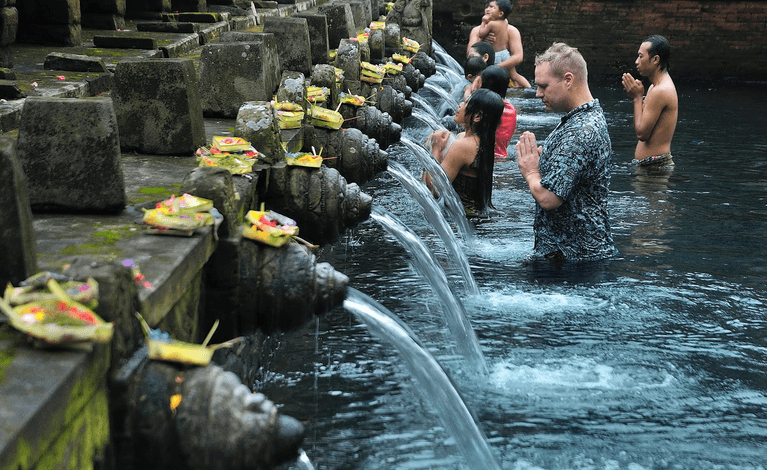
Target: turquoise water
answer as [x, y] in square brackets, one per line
[655, 360]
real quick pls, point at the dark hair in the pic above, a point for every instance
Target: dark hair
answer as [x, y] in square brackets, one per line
[484, 47]
[504, 5]
[661, 47]
[496, 78]
[489, 106]
[474, 66]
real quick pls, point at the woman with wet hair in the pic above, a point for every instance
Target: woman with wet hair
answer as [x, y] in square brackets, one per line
[468, 161]
[496, 78]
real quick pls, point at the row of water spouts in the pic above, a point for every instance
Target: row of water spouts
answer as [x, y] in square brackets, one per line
[435, 384]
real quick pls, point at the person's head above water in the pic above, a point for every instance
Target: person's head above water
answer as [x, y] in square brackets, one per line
[561, 78]
[563, 59]
[473, 66]
[659, 46]
[483, 49]
[484, 109]
[504, 5]
[496, 78]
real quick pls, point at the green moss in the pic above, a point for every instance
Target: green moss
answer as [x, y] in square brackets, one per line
[154, 190]
[103, 242]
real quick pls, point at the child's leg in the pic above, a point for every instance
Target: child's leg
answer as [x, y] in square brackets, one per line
[518, 81]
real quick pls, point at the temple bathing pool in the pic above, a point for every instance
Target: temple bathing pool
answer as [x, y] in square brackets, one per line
[655, 360]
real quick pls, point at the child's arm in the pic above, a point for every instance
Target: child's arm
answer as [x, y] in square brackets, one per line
[486, 26]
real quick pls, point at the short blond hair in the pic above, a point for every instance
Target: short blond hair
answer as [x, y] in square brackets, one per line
[562, 59]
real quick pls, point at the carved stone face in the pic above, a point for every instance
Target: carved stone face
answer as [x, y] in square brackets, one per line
[221, 424]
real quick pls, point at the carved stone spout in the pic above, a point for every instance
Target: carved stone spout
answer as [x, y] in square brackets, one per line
[376, 125]
[200, 418]
[351, 151]
[283, 288]
[319, 200]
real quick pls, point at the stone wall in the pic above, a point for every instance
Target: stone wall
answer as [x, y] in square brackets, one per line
[711, 41]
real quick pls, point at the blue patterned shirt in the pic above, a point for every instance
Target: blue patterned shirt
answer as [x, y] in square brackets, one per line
[575, 165]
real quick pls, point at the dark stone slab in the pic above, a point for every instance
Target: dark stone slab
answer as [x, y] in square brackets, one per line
[292, 34]
[168, 27]
[9, 90]
[74, 63]
[124, 42]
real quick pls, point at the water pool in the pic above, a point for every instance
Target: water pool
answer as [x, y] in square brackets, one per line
[655, 360]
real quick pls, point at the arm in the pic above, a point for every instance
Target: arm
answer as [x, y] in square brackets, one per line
[514, 45]
[486, 27]
[528, 156]
[473, 38]
[647, 110]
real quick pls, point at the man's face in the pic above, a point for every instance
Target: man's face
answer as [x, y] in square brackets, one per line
[550, 88]
[493, 10]
[644, 61]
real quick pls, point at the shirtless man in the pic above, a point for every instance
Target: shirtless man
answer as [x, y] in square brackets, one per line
[654, 115]
[509, 49]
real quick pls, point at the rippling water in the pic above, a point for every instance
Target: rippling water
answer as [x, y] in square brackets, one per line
[655, 360]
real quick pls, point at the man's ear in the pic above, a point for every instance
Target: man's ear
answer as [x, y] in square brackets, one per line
[568, 78]
[655, 59]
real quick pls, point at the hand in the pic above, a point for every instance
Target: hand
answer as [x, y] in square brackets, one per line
[528, 155]
[490, 37]
[633, 87]
[438, 143]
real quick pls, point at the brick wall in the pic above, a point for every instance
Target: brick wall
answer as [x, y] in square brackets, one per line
[711, 41]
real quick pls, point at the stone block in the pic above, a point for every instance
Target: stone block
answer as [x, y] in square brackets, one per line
[168, 27]
[158, 106]
[9, 90]
[349, 60]
[361, 14]
[377, 46]
[108, 21]
[139, 8]
[340, 22]
[74, 63]
[200, 17]
[233, 73]
[199, 6]
[36, 33]
[292, 34]
[116, 7]
[6, 57]
[257, 123]
[70, 152]
[59, 12]
[292, 88]
[324, 75]
[124, 41]
[318, 36]
[18, 256]
[9, 25]
[215, 184]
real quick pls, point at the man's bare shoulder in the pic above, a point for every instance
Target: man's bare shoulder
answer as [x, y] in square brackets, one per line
[664, 90]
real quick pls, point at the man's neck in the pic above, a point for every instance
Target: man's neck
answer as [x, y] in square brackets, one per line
[657, 76]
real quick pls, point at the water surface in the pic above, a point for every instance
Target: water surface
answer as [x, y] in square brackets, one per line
[655, 360]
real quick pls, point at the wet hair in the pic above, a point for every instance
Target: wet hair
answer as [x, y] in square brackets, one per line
[496, 78]
[504, 5]
[484, 47]
[489, 106]
[474, 66]
[659, 46]
[562, 59]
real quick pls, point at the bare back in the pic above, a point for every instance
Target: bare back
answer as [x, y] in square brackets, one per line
[660, 110]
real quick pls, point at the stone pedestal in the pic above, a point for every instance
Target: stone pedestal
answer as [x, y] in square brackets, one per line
[69, 149]
[318, 36]
[158, 106]
[340, 22]
[292, 34]
[232, 73]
